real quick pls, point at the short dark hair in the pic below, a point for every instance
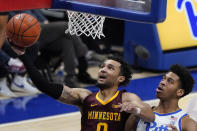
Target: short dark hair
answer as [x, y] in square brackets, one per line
[187, 81]
[125, 69]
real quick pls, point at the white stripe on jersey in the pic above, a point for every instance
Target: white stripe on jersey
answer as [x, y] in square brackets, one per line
[161, 120]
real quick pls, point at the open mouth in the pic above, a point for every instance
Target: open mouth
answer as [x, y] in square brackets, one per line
[159, 89]
[102, 77]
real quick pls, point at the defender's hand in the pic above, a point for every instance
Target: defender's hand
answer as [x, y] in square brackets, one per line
[130, 108]
[172, 127]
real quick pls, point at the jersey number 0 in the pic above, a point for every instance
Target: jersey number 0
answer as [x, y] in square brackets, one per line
[101, 124]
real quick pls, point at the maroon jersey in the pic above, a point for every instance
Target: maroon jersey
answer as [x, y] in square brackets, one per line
[98, 115]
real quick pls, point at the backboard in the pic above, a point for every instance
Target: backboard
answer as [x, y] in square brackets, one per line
[150, 11]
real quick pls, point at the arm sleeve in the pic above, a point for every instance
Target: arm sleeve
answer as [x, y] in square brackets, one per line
[3, 57]
[39, 15]
[51, 89]
[55, 14]
[4, 13]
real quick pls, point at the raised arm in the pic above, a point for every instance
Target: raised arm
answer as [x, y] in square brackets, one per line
[73, 96]
[131, 103]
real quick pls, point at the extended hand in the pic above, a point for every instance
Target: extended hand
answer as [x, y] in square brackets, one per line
[130, 108]
[172, 127]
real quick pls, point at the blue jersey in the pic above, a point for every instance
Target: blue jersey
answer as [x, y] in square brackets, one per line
[161, 120]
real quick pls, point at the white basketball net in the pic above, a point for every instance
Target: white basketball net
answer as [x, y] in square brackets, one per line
[84, 23]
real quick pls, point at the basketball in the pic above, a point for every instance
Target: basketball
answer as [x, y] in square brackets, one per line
[23, 30]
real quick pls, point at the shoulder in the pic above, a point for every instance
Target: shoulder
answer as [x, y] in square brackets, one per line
[134, 99]
[83, 93]
[188, 124]
[127, 96]
[90, 95]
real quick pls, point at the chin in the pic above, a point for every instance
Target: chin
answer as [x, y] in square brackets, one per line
[160, 97]
[101, 85]
[157, 96]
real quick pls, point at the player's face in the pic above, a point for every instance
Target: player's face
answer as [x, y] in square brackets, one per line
[168, 86]
[109, 74]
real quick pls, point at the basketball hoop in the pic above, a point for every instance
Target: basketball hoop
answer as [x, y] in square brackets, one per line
[84, 23]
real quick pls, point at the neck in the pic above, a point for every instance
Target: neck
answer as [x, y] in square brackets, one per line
[167, 106]
[107, 93]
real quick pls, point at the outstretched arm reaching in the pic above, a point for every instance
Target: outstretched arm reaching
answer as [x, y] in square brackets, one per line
[74, 96]
[131, 103]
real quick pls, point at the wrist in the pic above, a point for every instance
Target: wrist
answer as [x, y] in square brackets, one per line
[138, 111]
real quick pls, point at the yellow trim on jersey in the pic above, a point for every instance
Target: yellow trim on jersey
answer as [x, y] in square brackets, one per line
[109, 100]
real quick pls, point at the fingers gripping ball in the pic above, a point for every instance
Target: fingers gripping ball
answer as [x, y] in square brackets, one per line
[23, 30]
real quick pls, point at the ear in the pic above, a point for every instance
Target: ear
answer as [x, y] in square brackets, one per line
[121, 79]
[180, 92]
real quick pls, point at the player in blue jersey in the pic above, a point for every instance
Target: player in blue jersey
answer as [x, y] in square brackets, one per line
[175, 84]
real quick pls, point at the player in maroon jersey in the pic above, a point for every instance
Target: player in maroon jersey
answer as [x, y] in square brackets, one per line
[104, 110]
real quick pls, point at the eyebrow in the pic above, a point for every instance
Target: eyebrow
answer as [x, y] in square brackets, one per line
[111, 65]
[169, 77]
[106, 64]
